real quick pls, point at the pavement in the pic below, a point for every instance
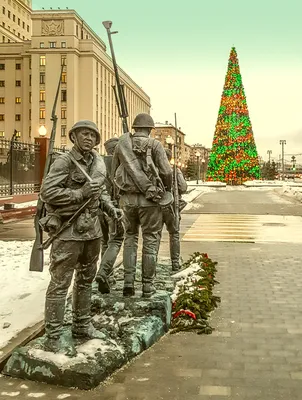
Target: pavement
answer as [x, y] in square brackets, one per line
[255, 351]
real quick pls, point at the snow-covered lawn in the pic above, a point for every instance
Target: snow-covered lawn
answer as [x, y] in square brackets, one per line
[22, 292]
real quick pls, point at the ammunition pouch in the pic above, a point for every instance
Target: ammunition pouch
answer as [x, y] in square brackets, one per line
[51, 223]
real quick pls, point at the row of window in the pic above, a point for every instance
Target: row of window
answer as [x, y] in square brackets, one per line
[42, 80]
[63, 132]
[2, 66]
[17, 117]
[13, 17]
[17, 99]
[42, 113]
[43, 60]
[2, 83]
[52, 45]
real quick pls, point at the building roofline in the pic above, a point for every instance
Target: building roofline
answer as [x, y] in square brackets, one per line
[73, 12]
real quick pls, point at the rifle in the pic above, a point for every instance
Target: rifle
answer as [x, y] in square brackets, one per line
[175, 185]
[37, 255]
[118, 89]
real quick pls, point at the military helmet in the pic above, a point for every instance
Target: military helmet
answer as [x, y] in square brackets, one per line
[143, 120]
[111, 143]
[86, 124]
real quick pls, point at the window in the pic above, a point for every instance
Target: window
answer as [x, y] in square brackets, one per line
[63, 113]
[63, 44]
[27, 28]
[29, 132]
[2, 117]
[64, 78]
[14, 18]
[2, 83]
[2, 100]
[18, 100]
[18, 117]
[3, 24]
[18, 83]
[42, 95]
[29, 64]
[8, 14]
[29, 114]
[29, 80]
[23, 25]
[3, 39]
[64, 95]
[42, 113]
[29, 98]
[18, 66]
[2, 134]
[3, 10]
[63, 131]
[63, 60]
[52, 45]
[41, 45]
[42, 78]
[19, 21]
[2, 66]
[42, 60]
[77, 27]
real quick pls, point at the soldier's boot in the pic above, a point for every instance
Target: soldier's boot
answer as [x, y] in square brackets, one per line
[82, 327]
[54, 317]
[175, 252]
[149, 263]
[129, 261]
[104, 285]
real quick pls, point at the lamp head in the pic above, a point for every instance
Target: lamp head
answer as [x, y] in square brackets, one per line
[107, 24]
[42, 131]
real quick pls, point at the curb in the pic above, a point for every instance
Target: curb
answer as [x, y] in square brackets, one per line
[17, 214]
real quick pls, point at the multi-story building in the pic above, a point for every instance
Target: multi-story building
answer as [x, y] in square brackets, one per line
[15, 24]
[188, 153]
[30, 71]
[167, 130]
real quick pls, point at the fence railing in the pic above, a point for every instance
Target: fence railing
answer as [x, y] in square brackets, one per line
[19, 167]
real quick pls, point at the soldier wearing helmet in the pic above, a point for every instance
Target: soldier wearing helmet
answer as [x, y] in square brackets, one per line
[113, 231]
[143, 174]
[76, 249]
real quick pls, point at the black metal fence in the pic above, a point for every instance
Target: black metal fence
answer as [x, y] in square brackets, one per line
[19, 167]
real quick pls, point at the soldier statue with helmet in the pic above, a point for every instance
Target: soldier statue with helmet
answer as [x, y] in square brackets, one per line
[64, 191]
[112, 231]
[144, 177]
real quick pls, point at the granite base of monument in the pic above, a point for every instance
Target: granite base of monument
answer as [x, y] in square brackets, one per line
[129, 326]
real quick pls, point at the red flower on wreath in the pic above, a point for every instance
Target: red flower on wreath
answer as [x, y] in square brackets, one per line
[187, 312]
[205, 255]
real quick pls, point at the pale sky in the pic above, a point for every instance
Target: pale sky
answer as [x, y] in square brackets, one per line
[178, 53]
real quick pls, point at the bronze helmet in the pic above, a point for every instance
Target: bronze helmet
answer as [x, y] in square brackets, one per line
[143, 120]
[86, 124]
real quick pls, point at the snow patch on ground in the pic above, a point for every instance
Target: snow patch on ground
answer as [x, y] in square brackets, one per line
[22, 292]
[291, 192]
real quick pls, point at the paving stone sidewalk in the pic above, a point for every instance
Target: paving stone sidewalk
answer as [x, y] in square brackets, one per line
[255, 352]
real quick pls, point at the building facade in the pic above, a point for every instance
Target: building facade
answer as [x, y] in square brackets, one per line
[166, 130]
[30, 74]
[15, 20]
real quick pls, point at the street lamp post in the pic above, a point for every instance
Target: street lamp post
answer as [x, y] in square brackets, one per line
[294, 166]
[283, 142]
[15, 137]
[203, 169]
[198, 165]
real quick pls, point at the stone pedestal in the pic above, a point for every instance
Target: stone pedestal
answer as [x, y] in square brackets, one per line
[129, 326]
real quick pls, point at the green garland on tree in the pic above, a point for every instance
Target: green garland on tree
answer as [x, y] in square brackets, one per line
[195, 300]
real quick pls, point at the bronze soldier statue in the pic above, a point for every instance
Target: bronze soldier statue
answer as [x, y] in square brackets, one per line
[113, 231]
[64, 190]
[144, 176]
[170, 221]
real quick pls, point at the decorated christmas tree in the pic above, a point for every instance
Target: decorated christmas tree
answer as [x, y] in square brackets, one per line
[234, 157]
